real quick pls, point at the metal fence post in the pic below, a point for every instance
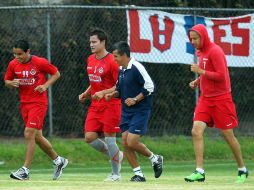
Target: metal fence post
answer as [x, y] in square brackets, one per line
[50, 107]
[195, 61]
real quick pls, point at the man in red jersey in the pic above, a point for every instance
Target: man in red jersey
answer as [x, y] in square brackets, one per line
[103, 116]
[215, 105]
[28, 73]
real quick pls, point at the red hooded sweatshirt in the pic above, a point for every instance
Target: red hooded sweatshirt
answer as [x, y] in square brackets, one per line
[216, 82]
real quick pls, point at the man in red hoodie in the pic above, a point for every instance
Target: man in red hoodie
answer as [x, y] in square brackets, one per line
[215, 105]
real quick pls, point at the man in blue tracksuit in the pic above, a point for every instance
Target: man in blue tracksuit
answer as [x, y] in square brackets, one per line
[135, 88]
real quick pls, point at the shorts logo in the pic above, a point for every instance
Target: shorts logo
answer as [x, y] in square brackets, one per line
[229, 124]
[33, 72]
[32, 123]
[100, 70]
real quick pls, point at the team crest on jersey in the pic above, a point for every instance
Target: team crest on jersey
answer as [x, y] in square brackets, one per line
[100, 70]
[32, 72]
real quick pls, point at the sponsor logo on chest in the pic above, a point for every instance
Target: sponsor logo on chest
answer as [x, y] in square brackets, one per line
[94, 78]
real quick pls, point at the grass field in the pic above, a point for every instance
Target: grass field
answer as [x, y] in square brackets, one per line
[88, 168]
[220, 175]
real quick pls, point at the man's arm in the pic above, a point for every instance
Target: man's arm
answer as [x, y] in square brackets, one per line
[115, 94]
[85, 95]
[134, 100]
[219, 64]
[194, 84]
[50, 81]
[99, 95]
[12, 83]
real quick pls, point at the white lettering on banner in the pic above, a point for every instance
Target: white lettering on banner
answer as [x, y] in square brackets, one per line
[161, 37]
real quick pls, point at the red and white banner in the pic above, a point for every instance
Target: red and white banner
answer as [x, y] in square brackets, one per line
[161, 37]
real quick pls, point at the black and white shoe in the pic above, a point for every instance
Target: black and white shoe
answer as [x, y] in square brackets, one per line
[137, 178]
[158, 166]
[20, 174]
[59, 169]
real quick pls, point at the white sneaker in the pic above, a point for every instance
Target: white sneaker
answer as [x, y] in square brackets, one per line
[59, 168]
[113, 177]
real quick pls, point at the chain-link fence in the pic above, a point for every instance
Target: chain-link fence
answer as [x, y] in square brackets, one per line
[59, 33]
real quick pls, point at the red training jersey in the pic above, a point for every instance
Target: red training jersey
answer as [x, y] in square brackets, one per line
[216, 81]
[30, 75]
[102, 74]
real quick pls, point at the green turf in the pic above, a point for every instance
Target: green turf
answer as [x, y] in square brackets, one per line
[220, 175]
[174, 148]
[88, 168]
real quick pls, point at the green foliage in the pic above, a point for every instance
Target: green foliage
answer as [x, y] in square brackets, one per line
[175, 148]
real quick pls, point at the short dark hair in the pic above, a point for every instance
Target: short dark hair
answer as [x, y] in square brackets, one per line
[101, 34]
[122, 47]
[22, 44]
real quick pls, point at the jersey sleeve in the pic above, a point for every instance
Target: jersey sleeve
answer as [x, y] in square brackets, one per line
[47, 67]
[219, 64]
[9, 75]
[145, 80]
[114, 70]
[118, 89]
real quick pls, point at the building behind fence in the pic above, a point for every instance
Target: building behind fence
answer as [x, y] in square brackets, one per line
[60, 33]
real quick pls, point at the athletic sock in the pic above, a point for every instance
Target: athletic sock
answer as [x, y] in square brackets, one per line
[153, 158]
[138, 171]
[242, 169]
[113, 151]
[200, 170]
[100, 146]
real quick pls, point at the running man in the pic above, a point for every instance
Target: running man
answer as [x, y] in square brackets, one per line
[103, 117]
[134, 87]
[28, 73]
[215, 105]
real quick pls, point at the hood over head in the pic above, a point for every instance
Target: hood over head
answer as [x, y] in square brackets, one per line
[202, 31]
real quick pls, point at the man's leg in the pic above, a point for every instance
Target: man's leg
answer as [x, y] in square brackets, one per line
[133, 142]
[59, 162]
[45, 145]
[234, 145]
[92, 139]
[198, 143]
[129, 153]
[114, 153]
[236, 149]
[110, 148]
[23, 172]
[29, 134]
[131, 156]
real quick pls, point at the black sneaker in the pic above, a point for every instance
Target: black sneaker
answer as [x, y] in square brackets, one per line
[59, 169]
[138, 178]
[20, 174]
[157, 166]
